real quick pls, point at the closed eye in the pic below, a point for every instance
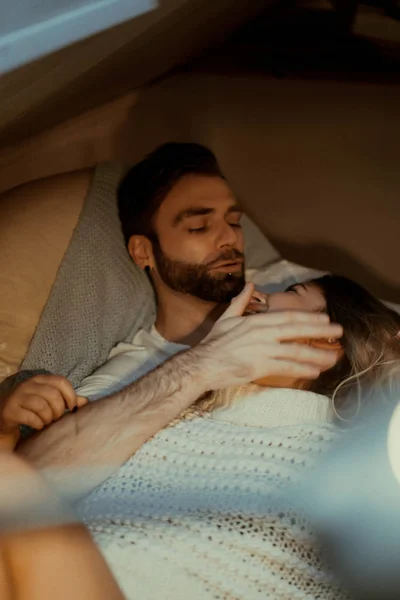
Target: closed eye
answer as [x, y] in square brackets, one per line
[295, 287]
[197, 229]
[292, 288]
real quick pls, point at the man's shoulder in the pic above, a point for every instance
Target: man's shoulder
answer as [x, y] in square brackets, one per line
[142, 341]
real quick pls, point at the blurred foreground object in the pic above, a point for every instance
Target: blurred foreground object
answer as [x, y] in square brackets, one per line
[353, 500]
[45, 553]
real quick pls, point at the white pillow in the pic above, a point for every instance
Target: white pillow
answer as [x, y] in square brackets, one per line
[258, 250]
[278, 276]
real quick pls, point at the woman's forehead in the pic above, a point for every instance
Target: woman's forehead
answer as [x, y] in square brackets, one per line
[310, 292]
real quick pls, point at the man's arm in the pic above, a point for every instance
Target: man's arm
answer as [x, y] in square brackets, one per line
[126, 363]
[103, 435]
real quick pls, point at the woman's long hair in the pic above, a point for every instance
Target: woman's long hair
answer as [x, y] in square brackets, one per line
[370, 364]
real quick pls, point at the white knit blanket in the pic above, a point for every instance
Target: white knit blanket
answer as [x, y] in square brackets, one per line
[197, 513]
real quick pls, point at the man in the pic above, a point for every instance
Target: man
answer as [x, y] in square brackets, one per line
[181, 223]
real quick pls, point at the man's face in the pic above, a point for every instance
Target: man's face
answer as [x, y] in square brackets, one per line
[199, 246]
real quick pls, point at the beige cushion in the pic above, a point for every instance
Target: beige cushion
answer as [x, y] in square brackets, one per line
[36, 224]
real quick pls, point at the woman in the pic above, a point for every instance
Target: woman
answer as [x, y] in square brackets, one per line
[368, 354]
[205, 509]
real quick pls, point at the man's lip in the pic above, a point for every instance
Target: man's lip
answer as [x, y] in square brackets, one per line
[228, 265]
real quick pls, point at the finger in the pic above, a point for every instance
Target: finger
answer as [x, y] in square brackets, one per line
[256, 307]
[81, 401]
[62, 385]
[306, 354]
[259, 297]
[295, 331]
[52, 396]
[39, 406]
[290, 316]
[239, 303]
[29, 418]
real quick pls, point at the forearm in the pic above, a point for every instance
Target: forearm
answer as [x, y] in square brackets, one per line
[104, 434]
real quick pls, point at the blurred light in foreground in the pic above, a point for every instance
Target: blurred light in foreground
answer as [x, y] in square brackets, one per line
[353, 499]
[394, 443]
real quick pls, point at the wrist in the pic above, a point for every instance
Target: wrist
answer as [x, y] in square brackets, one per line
[207, 373]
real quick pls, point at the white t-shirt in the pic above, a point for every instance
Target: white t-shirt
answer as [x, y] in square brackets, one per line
[127, 362]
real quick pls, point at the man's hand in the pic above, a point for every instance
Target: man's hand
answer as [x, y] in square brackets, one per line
[36, 403]
[242, 349]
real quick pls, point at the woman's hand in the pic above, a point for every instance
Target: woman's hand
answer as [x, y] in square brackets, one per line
[36, 402]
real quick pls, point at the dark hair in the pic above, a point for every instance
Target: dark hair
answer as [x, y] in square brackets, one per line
[371, 348]
[145, 186]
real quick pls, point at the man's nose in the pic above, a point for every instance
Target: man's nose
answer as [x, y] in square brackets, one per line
[227, 236]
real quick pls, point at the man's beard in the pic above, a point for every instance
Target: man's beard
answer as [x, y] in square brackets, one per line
[197, 280]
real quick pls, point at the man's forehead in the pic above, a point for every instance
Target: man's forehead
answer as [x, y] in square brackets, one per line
[199, 191]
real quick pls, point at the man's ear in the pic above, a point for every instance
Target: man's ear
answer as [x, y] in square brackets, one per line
[141, 251]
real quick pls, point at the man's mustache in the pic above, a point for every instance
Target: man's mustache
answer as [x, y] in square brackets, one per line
[228, 256]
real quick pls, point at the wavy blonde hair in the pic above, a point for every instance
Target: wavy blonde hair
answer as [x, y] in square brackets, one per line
[370, 365]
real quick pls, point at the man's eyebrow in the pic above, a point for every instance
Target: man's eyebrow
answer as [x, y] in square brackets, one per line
[198, 211]
[192, 212]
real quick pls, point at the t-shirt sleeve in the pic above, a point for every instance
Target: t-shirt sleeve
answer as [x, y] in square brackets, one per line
[123, 368]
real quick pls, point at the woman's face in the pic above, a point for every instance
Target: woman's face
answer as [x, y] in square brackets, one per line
[301, 296]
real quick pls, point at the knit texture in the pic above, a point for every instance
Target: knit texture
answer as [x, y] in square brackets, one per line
[99, 297]
[202, 511]
[254, 406]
